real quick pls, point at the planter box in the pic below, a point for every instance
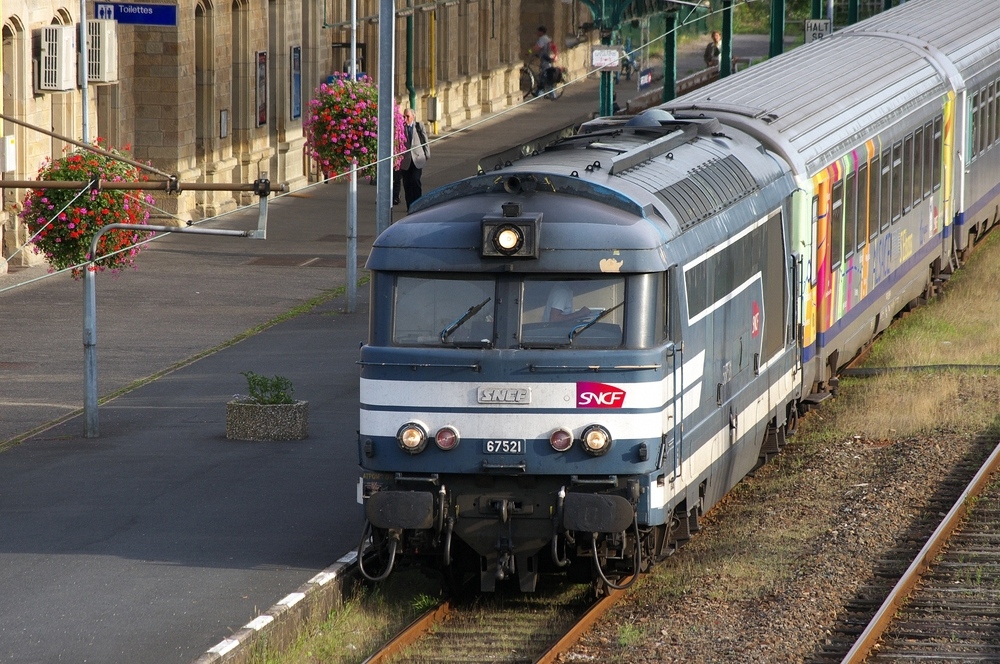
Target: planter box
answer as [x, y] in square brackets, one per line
[246, 420]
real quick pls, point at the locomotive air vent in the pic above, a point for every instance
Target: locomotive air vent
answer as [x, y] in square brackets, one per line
[707, 190]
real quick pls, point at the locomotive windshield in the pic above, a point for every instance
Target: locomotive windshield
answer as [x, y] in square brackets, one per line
[470, 310]
[433, 311]
[573, 312]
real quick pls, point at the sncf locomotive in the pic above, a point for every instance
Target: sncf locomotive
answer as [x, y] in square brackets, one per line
[573, 357]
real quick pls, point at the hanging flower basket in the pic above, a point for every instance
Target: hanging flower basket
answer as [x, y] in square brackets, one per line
[63, 222]
[341, 125]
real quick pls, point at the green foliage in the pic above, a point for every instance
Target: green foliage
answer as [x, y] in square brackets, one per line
[264, 390]
[424, 602]
[629, 635]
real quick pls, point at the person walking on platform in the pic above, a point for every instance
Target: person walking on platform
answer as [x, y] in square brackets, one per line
[416, 155]
[713, 50]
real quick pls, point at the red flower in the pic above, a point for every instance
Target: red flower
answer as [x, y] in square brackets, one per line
[58, 219]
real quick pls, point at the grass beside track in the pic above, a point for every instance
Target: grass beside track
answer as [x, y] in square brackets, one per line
[370, 616]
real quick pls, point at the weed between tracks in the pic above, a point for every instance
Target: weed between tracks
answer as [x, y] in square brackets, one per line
[503, 627]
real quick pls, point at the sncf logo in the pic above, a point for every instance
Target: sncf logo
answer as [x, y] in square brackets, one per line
[599, 395]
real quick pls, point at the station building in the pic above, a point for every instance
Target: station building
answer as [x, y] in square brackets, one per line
[216, 90]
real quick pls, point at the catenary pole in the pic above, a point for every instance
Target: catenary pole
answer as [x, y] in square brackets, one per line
[386, 125]
[352, 194]
[84, 72]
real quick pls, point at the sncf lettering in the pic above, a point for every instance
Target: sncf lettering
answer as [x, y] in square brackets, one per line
[599, 395]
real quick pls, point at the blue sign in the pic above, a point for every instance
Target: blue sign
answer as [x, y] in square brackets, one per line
[645, 78]
[137, 14]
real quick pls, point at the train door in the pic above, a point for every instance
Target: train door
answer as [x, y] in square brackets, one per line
[824, 295]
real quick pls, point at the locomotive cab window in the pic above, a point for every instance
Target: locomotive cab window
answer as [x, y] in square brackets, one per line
[434, 311]
[577, 313]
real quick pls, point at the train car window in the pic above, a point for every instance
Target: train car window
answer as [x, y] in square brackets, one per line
[984, 126]
[850, 213]
[864, 203]
[991, 117]
[928, 158]
[897, 181]
[972, 141]
[714, 279]
[837, 223]
[918, 166]
[874, 180]
[908, 171]
[885, 207]
[996, 111]
[572, 312]
[455, 309]
[775, 287]
[938, 121]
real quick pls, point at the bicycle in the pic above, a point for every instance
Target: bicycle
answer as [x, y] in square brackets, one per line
[628, 66]
[532, 85]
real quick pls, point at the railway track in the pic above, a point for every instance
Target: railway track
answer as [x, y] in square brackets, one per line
[509, 629]
[924, 608]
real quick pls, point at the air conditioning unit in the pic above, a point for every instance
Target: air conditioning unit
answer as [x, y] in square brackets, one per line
[102, 51]
[58, 58]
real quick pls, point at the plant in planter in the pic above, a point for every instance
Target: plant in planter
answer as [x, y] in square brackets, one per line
[268, 413]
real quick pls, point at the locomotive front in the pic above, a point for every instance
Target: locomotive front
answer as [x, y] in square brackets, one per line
[538, 336]
[512, 389]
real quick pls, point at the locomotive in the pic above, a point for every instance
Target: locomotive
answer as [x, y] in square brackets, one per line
[572, 358]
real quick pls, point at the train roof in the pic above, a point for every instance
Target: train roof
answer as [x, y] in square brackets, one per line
[819, 101]
[965, 31]
[629, 189]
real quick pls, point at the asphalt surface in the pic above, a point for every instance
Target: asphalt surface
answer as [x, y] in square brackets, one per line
[160, 537]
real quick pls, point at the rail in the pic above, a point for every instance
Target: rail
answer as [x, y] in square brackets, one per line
[875, 629]
[411, 633]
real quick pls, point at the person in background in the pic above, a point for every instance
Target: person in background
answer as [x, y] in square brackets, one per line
[416, 155]
[713, 50]
[546, 52]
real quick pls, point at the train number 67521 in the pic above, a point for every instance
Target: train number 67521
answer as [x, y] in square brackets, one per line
[503, 447]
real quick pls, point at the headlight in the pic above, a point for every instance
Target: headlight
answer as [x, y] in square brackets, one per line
[446, 438]
[561, 440]
[508, 239]
[412, 438]
[596, 440]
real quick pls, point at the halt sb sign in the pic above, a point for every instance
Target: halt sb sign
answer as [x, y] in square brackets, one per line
[816, 29]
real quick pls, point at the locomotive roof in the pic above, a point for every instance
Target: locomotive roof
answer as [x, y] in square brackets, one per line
[821, 100]
[624, 189]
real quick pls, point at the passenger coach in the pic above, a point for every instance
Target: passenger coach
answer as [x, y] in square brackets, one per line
[891, 129]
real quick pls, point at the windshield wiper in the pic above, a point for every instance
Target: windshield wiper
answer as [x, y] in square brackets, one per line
[473, 310]
[583, 326]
